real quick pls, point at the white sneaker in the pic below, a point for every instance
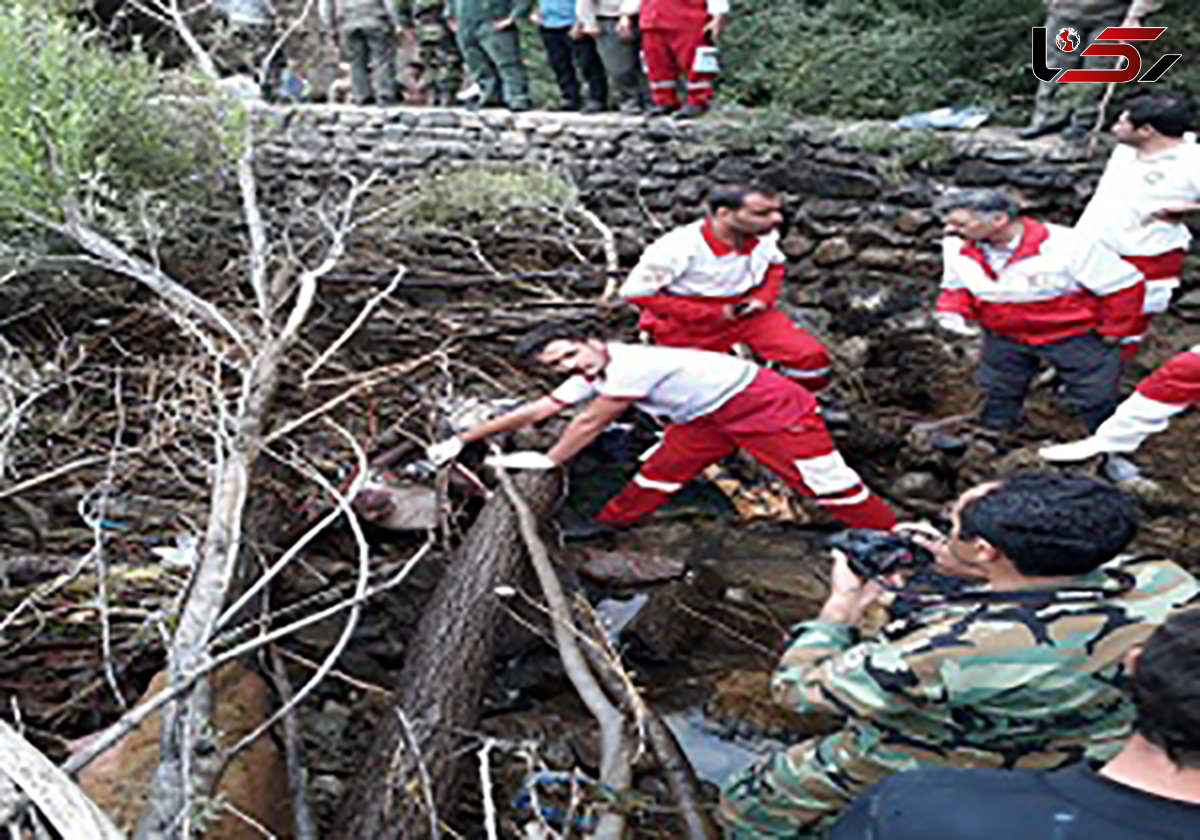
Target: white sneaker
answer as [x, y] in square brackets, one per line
[468, 93]
[1118, 469]
[1076, 450]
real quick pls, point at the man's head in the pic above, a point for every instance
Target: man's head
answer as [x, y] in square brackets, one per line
[977, 214]
[744, 210]
[1147, 119]
[568, 347]
[1037, 524]
[1166, 689]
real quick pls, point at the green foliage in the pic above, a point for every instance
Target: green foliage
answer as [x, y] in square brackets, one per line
[880, 58]
[1183, 37]
[80, 118]
[883, 58]
[472, 196]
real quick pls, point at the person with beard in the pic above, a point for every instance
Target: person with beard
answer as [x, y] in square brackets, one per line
[711, 404]
[713, 283]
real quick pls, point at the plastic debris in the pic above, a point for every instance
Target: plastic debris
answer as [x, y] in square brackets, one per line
[950, 116]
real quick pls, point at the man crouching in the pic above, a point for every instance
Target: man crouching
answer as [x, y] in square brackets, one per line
[1019, 665]
[712, 404]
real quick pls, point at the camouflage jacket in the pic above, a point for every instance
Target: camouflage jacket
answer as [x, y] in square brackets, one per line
[1029, 678]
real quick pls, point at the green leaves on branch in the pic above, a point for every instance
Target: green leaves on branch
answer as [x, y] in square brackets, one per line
[80, 120]
[853, 59]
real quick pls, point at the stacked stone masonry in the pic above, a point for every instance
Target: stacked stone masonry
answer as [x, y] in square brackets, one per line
[860, 234]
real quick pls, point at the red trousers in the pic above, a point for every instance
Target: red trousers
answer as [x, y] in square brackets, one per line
[769, 334]
[776, 422]
[668, 54]
[1176, 381]
[1157, 269]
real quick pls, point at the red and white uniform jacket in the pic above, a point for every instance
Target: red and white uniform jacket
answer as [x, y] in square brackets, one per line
[690, 276]
[674, 14]
[674, 383]
[1132, 189]
[1056, 284]
[1121, 213]
[1173, 388]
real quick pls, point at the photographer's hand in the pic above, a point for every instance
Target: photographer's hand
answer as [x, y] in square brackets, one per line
[849, 594]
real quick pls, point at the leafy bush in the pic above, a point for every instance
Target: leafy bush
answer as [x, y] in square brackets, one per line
[475, 196]
[884, 58]
[65, 97]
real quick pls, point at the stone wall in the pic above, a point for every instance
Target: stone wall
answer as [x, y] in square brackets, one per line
[861, 239]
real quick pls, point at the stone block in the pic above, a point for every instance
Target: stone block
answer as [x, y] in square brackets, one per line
[977, 173]
[914, 221]
[883, 259]
[796, 245]
[825, 210]
[832, 251]
[803, 176]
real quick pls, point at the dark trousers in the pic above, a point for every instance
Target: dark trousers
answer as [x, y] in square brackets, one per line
[564, 53]
[1088, 368]
[372, 57]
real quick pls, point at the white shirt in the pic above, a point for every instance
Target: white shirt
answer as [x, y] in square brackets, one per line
[684, 262]
[671, 382]
[1132, 188]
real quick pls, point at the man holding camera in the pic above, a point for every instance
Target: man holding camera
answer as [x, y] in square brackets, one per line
[713, 284]
[1151, 789]
[1014, 660]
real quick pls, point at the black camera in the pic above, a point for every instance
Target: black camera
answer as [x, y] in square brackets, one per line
[875, 554]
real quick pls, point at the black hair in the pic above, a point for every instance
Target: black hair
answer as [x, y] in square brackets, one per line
[733, 196]
[533, 342]
[977, 201]
[1166, 688]
[1050, 523]
[1169, 115]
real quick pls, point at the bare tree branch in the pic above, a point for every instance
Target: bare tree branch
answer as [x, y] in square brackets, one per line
[67, 807]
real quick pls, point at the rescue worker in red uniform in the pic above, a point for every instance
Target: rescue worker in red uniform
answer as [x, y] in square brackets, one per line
[713, 404]
[1042, 294]
[713, 284]
[1172, 389]
[1149, 189]
[678, 38]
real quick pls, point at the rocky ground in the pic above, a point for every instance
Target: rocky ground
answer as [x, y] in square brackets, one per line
[704, 591]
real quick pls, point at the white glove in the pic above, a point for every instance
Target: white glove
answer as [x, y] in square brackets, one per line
[952, 322]
[445, 451]
[526, 460]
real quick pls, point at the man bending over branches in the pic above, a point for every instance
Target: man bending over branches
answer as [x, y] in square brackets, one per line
[713, 404]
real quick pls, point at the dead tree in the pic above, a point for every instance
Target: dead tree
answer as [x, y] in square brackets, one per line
[414, 762]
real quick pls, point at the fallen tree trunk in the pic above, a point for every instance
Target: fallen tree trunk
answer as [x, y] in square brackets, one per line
[439, 689]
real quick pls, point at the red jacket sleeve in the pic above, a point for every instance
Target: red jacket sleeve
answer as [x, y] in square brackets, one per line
[1177, 381]
[683, 309]
[772, 284]
[1120, 313]
[959, 302]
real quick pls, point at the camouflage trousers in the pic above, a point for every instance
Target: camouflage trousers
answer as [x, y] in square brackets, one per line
[441, 62]
[1080, 103]
[799, 792]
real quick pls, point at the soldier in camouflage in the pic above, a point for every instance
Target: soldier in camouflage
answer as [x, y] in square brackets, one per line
[437, 50]
[1020, 666]
[367, 33]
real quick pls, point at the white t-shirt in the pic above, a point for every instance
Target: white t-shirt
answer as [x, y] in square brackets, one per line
[1135, 186]
[671, 382]
[683, 262]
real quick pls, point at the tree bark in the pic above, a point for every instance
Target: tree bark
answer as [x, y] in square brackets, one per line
[440, 687]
